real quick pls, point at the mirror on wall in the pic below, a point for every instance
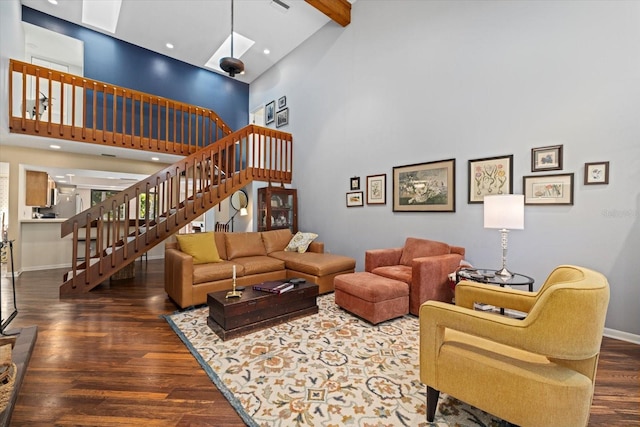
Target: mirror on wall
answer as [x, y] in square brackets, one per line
[239, 200]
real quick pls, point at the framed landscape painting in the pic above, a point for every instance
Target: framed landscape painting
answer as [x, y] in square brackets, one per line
[425, 187]
[490, 176]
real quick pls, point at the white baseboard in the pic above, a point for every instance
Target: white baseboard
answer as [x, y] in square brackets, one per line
[620, 335]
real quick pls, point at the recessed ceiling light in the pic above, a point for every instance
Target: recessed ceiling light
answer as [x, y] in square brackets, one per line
[55, 147]
[241, 45]
[59, 177]
[266, 51]
[155, 159]
[53, 1]
[101, 14]
[169, 45]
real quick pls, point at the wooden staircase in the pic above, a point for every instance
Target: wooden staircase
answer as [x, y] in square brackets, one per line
[135, 220]
[169, 200]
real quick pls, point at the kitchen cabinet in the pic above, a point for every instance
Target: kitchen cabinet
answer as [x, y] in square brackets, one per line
[40, 189]
[278, 209]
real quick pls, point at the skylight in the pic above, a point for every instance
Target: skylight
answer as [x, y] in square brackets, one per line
[241, 45]
[101, 14]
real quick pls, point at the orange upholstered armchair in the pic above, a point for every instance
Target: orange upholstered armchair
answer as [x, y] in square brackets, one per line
[538, 371]
[423, 264]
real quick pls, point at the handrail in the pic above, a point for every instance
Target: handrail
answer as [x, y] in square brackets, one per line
[50, 103]
[143, 215]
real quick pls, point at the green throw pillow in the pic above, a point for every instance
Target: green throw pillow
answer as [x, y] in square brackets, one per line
[300, 242]
[201, 246]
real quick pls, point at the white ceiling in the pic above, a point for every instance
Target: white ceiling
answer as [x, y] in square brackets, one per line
[197, 28]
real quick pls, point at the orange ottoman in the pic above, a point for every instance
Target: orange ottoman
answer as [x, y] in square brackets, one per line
[372, 297]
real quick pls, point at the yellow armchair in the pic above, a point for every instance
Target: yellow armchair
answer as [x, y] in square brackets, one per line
[537, 371]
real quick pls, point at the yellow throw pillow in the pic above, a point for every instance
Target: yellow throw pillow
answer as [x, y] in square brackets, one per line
[201, 246]
[300, 242]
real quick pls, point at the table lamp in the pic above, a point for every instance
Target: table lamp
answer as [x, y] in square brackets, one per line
[505, 212]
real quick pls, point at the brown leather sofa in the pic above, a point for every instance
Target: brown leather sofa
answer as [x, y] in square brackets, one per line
[258, 257]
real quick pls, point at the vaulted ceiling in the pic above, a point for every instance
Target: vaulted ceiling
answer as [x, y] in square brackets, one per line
[196, 28]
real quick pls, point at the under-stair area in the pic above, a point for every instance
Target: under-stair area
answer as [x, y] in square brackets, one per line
[217, 162]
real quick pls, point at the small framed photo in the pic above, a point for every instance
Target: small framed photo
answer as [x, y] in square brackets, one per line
[354, 183]
[596, 173]
[548, 189]
[546, 158]
[377, 189]
[425, 187]
[282, 102]
[270, 112]
[490, 176]
[355, 198]
[282, 118]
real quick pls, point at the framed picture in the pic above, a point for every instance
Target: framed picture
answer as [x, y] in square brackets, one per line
[548, 189]
[425, 187]
[546, 158]
[354, 183]
[282, 102]
[282, 118]
[490, 176]
[355, 198]
[270, 112]
[596, 173]
[377, 189]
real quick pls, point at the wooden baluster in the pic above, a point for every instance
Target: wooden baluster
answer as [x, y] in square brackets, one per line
[114, 115]
[73, 107]
[49, 100]
[104, 113]
[125, 94]
[141, 142]
[133, 119]
[62, 106]
[175, 127]
[24, 98]
[85, 93]
[95, 110]
[37, 103]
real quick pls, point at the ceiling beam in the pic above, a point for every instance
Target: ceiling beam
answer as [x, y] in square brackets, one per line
[338, 10]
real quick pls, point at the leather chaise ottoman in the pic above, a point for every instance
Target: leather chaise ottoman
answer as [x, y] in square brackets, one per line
[372, 297]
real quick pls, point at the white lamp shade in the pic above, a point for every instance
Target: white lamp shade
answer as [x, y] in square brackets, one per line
[243, 212]
[504, 211]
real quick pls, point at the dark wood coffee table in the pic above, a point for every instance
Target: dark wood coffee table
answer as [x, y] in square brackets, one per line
[232, 317]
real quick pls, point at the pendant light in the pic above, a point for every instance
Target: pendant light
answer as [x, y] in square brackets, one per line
[230, 64]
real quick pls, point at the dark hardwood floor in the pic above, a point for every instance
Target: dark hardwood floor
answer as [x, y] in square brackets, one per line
[108, 359]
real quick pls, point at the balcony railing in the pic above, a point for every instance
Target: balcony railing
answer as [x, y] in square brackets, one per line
[46, 102]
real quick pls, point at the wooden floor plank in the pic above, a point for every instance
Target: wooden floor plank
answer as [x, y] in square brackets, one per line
[109, 359]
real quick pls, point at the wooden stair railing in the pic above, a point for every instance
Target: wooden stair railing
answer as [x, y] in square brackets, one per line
[49, 103]
[136, 219]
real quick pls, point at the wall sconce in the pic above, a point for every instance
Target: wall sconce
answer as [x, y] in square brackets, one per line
[239, 201]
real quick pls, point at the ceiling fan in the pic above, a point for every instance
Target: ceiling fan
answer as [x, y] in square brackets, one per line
[230, 64]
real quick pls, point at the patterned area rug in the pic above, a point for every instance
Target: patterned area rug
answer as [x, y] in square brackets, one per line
[327, 369]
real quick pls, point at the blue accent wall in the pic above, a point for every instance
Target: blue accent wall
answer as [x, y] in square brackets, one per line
[123, 64]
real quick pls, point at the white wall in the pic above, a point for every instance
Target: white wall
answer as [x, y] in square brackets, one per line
[409, 82]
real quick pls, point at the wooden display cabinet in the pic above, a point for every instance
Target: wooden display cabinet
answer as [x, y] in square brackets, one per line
[278, 209]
